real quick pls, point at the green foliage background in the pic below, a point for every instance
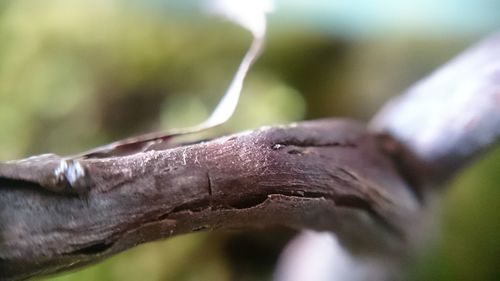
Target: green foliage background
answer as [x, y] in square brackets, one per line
[76, 74]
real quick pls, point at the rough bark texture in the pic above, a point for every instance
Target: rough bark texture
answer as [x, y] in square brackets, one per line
[327, 174]
[446, 120]
[330, 175]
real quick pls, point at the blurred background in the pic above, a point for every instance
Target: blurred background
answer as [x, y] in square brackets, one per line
[77, 74]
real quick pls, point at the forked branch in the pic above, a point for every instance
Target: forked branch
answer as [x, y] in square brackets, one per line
[327, 175]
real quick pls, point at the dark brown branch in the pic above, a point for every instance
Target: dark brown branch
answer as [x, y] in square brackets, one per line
[327, 174]
[446, 121]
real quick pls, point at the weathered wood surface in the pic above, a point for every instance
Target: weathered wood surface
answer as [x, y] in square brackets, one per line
[327, 174]
[331, 175]
[446, 120]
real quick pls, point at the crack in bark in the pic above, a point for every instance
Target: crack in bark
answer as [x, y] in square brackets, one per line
[209, 183]
[93, 249]
[311, 143]
[253, 201]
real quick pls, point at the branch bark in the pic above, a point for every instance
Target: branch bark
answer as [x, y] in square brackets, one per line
[450, 117]
[333, 175]
[325, 175]
[446, 120]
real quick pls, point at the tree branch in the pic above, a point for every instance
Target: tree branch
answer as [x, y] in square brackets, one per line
[330, 175]
[453, 115]
[327, 174]
[446, 120]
